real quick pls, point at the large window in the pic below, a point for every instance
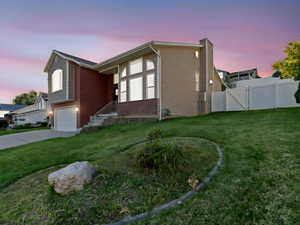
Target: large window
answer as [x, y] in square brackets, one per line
[123, 91]
[136, 66]
[57, 80]
[150, 86]
[124, 72]
[149, 64]
[116, 78]
[136, 89]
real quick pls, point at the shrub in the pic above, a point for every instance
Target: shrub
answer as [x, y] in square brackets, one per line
[155, 135]
[3, 124]
[160, 156]
[24, 126]
[42, 124]
[166, 112]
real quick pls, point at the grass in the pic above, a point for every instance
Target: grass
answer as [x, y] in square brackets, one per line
[119, 190]
[259, 183]
[14, 131]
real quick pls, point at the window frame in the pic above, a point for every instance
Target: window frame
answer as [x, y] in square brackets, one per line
[123, 92]
[152, 86]
[55, 87]
[146, 64]
[141, 95]
[124, 72]
[135, 62]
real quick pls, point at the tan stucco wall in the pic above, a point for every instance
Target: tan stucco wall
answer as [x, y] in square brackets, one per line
[217, 83]
[178, 86]
[207, 73]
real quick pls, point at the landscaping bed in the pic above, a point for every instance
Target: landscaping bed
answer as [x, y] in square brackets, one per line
[119, 190]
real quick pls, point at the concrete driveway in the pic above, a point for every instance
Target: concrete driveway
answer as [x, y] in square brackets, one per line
[13, 140]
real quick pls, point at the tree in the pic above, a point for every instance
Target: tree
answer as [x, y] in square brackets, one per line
[290, 66]
[25, 98]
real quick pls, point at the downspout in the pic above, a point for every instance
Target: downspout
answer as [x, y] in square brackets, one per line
[158, 79]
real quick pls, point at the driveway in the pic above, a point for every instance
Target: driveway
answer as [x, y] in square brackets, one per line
[13, 140]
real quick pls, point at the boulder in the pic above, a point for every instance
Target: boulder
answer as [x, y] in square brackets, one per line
[72, 178]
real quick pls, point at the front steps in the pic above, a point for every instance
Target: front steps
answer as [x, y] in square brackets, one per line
[103, 120]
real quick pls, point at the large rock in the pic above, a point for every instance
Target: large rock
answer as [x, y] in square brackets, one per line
[72, 178]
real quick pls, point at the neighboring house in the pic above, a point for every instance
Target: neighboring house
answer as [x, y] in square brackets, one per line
[8, 108]
[36, 113]
[232, 77]
[147, 81]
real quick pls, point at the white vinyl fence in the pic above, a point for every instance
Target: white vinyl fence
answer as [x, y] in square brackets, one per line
[266, 96]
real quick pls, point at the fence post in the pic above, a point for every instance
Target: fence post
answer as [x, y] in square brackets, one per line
[276, 95]
[248, 97]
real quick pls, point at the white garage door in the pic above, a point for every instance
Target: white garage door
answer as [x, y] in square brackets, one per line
[65, 119]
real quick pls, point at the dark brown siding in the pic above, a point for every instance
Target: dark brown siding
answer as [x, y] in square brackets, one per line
[95, 92]
[144, 107]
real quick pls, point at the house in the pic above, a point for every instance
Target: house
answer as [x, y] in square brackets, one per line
[36, 113]
[7, 108]
[231, 78]
[154, 80]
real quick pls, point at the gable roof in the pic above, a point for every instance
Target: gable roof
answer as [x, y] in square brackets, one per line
[74, 59]
[10, 107]
[143, 48]
[95, 66]
[29, 108]
[77, 59]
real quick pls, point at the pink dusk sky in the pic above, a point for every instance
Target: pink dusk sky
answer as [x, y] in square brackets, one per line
[246, 34]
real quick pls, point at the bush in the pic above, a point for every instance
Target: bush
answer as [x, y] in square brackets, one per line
[160, 156]
[3, 124]
[155, 135]
[41, 124]
[24, 126]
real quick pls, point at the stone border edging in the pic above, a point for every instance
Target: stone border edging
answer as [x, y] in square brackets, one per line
[184, 197]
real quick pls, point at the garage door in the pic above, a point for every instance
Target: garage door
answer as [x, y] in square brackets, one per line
[65, 119]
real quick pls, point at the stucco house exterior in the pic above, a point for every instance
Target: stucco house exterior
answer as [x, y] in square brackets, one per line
[154, 80]
[36, 113]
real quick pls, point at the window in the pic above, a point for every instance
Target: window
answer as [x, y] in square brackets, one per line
[149, 64]
[136, 89]
[136, 66]
[116, 78]
[150, 86]
[40, 105]
[197, 79]
[124, 72]
[123, 91]
[57, 80]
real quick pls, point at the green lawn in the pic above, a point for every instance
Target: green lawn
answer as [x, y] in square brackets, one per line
[259, 183]
[14, 131]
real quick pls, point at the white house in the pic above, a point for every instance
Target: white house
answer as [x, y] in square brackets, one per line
[38, 112]
[7, 108]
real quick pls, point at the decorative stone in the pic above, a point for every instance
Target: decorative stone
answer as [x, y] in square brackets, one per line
[72, 178]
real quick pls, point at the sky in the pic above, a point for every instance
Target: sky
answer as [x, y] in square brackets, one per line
[246, 34]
